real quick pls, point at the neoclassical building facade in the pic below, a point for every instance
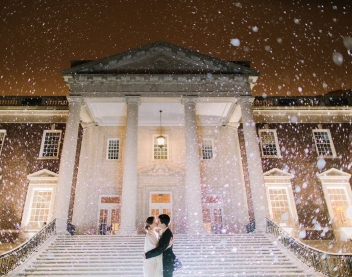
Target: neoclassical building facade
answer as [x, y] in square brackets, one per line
[163, 129]
[118, 100]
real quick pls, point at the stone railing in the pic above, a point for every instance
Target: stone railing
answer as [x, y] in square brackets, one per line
[330, 264]
[12, 259]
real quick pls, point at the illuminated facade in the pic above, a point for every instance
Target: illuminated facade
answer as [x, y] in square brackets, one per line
[228, 158]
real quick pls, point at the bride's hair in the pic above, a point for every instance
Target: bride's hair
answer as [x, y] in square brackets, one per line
[149, 222]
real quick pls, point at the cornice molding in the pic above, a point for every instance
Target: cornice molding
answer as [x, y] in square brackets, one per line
[299, 115]
[33, 116]
[158, 85]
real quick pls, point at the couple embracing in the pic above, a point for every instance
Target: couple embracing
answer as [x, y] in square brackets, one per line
[159, 258]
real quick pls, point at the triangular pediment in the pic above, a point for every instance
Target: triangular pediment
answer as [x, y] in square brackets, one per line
[334, 173]
[43, 174]
[160, 168]
[160, 58]
[275, 172]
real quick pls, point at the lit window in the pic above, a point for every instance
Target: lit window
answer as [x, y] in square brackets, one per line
[339, 205]
[39, 213]
[2, 138]
[38, 207]
[160, 153]
[323, 143]
[207, 149]
[113, 149]
[279, 204]
[50, 144]
[338, 195]
[280, 197]
[269, 143]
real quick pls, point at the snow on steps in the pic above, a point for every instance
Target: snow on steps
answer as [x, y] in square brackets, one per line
[211, 255]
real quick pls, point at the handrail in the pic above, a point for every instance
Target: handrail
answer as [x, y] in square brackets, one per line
[330, 264]
[15, 257]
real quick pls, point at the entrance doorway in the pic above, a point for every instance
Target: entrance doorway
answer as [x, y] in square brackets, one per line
[109, 214]
[160, 203]
[212, 214]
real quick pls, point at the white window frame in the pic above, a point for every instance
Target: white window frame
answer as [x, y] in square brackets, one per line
[43, 144]
[279, 179]
[2, 133]
[107, 149]
[212, 148]
[167, 147]
[330, 141]
[41, 180]
[34, 190]
[278, 155]
[334, 178]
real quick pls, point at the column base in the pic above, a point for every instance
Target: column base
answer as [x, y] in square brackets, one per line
[61, 226]
[63, 233]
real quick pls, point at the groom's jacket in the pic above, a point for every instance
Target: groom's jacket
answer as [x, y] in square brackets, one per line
[168, 255]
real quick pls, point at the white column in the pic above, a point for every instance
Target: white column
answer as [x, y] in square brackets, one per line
[129, 185]
[67, 164]
[240, 215]
[254, 161]
[84, 213]
[193, 193]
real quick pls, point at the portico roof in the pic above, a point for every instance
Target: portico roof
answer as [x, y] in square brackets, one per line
[161, 74]
[160, 58]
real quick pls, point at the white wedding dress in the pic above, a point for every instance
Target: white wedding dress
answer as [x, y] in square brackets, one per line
[152, 267]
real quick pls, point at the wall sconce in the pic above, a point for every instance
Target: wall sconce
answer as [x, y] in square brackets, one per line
[160, 139]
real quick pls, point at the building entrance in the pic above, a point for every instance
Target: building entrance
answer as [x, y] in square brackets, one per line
[109, 214]
[160, 203]
[212, 214]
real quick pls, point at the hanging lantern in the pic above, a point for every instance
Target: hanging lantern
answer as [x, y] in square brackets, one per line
[160, 139]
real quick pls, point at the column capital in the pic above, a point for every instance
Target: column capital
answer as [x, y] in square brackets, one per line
[75, 99]
[233, 125]
[189, 100]
[133, 100]
[87, 125]
[245, 100]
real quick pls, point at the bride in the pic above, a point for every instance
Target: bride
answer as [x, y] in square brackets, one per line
[152, 267]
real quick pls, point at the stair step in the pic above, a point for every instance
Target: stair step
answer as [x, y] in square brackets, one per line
[202, 256]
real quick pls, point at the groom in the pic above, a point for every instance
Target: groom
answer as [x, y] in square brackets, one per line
[168, 255]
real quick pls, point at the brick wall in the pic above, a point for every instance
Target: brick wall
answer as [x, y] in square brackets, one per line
[17, 160]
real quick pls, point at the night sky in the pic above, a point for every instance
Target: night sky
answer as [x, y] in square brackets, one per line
[300, 48]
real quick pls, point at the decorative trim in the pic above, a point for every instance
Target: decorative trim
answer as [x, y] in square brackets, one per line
[160, 168]
[43, 174]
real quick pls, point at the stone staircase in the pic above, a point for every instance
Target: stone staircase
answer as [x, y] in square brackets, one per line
[211, 255]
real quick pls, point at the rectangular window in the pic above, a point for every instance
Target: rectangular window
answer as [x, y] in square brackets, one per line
[160, 153]
[269, 143]
[279, 203]
[323, 143]
[40, 207]
[113, 149]
[50, 144]
[207, 149]
[339, 204]
[2, 138]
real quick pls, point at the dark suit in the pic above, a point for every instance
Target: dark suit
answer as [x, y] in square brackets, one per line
[168, 255]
